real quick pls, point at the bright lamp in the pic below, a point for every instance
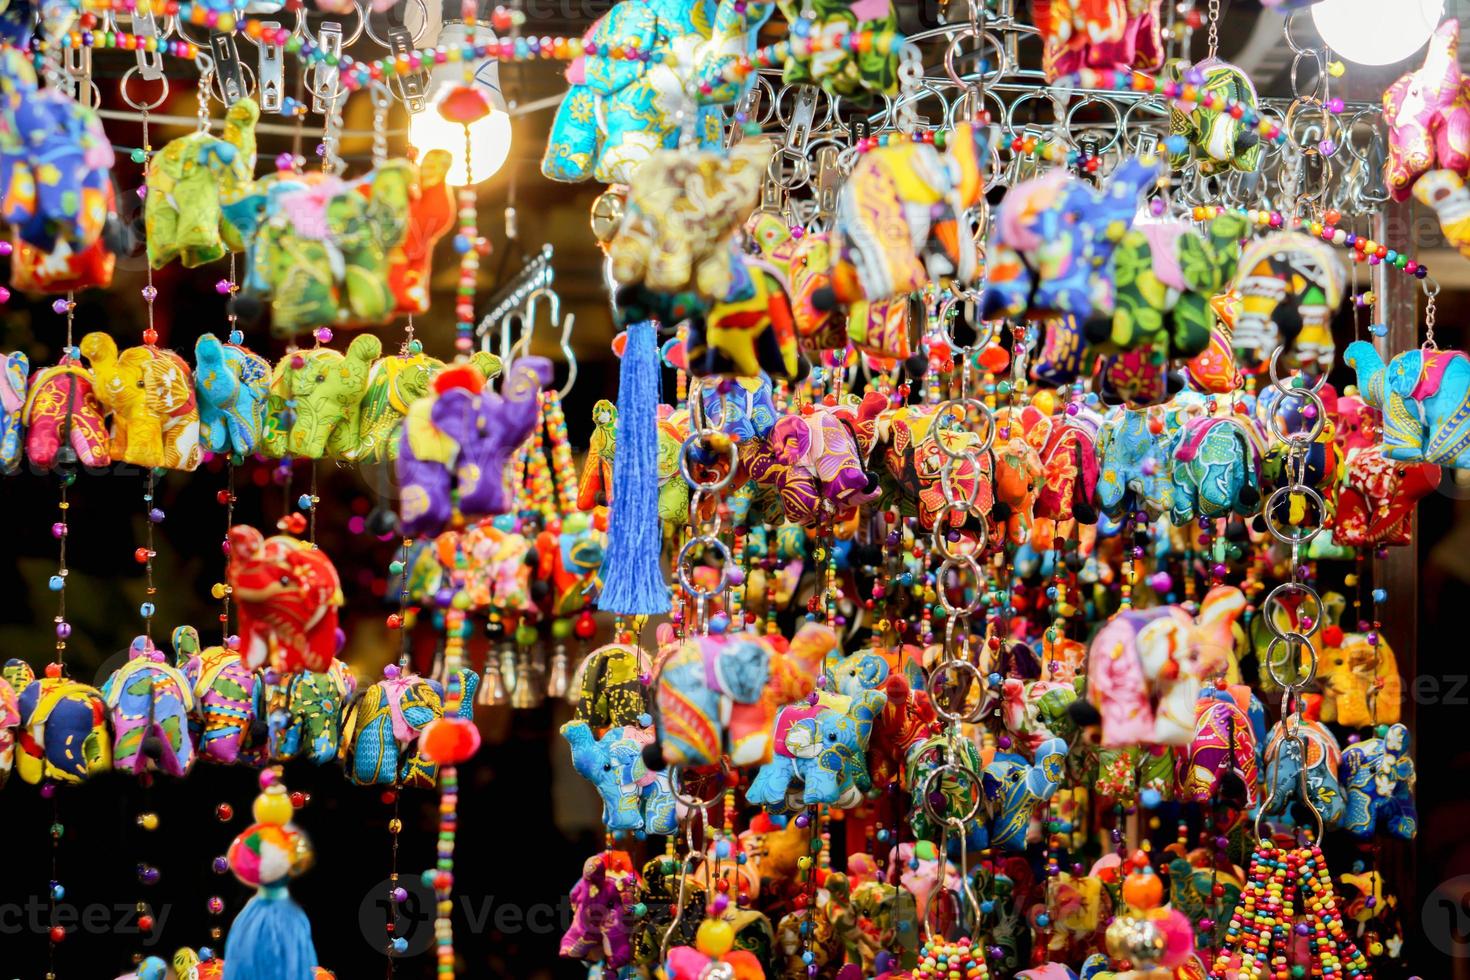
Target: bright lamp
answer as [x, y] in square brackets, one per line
[489, 138]
[1376, 32]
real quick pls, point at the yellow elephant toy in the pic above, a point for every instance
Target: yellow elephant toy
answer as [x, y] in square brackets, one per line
[1360, 679]
[149, 392]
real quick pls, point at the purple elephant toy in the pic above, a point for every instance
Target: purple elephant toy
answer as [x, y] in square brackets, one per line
[603, 902]
[808, 458]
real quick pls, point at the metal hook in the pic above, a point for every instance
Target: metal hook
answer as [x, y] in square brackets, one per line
[523, 346]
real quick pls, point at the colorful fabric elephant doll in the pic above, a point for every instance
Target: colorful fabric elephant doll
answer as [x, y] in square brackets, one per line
[596, 481]
[1283, 766]
[1019, 480]
[1014, 788]
[224, 695]
[1051, 237]
[1066, 446]
[749, 332]
[633, 798]
[682, 210]
[286, 593]
[16, 370]
[1215, 139]
[804, 260]
[823, 747]
[1289, 286]
[720, 694]
[150, 703]
[619, 113]
[1378, 777]
[1422, 394]
[63, 419]
[1222, 761]
[324, 253]
[1135, 452]
[55, 161]
[1428, 116]
[64, 269]
[9, 721]
[1108, 35]
[609, 686]
[232, 383]
[1217, 469]
[188, 182]
[909, 441]
[900, 217]
[1360, 679]
[855, 76]
[380, 729]
[432, 212]
[315, 402]
[811, 460]
[1164, 275]
[394, 383]
[1146, 668]
[603, 902]
[62, 733]
[304, 713]
[149, 392]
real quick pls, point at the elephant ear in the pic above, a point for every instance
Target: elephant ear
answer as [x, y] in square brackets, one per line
[625, 23]
[99, 349]
[866, 707]
[13, 384]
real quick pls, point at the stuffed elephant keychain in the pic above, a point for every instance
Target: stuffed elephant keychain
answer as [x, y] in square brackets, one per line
[62, 731]
[232, 383]
[1428, 116]
[149, 392]
[62, 418]
[380, 729]
[315, 400]
[287, 593]
[14, 374]
[150, 702]
[633, 798]
[224, 693]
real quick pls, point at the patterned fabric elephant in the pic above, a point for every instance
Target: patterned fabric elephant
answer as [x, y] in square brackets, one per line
[304, 713]
[1287, 287]
[747, 333]
[315, 400]
[395, 383]
[633, 798]
[1423, 395]
[1013, 789]
[1217, 469]
[189, 180]
[1135, 451]
[603, 903]
[432, 212]
[812, 459]
[150, 700]
[1378, 777]
[55, 161]
[910, 441]
[620, 112]
[1283, 768]
[149, 392]
[287, 593]
[1360, 679]
[62, 732]
[224, 696]
[1428, 115]
[13, 377]
[63, 419]
[1216, 140]
[381, 728]
[232, 383]
[823, 747]
[1109, 35]
[805, 264]
[855, 76]
[1222, 760]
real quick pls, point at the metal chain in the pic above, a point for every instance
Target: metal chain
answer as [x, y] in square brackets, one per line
[1214, 31]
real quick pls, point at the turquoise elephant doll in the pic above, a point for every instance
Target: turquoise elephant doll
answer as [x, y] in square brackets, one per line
[1013, 789]
[1282, 773]
[1378, 777]
[1424, 396]
[303, 713]
[852, 675]
[381, 728]
[823, 746]
[1135, 451]
[232, 382]
[63, 733]
[55, 161]
[150, 702]
[633, 797]
[13, 378]
[619, 111]
[1216, 469]
[314, 405]
[190, 180]
[224, 696]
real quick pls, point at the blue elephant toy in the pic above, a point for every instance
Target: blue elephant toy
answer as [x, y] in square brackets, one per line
[1281, 774]
[55, 161]
[823, 746]
[619, 111]
[63, 727]
[1013, 789]
[380, 729]
[13, 380]
[851, 676]
[304, 712]
[232, 383]
[633, 798]
[1378, 776]
[745, 408]
[1135, 462]
[1216, 469]
[1424, 396]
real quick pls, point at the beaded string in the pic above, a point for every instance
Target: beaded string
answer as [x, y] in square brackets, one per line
[442, 877]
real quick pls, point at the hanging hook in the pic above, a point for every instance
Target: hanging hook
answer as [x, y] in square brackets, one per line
[523, 346]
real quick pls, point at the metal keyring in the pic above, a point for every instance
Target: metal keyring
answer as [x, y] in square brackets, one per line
[1276, 418]
[948, 565]
[971, 502]
[1294, 640]
[956, 717]
[698, 437]
[943, 315]
[702, 541]
[927, 785]
[676, 786]
[1292, 588]
[986, 38]
[1280, 382]
[141, 107]
[966, 452]
[1090, 99]
[423, 7]
[1269, 510]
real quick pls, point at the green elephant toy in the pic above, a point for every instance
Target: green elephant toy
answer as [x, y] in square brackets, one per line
[190, 180]
[1217, 139]
[395, 383]
[324, 252]
[1424, 396]
[303, 713]
[315, 400]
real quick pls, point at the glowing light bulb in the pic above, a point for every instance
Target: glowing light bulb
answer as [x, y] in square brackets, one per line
[489, 137]
[1372, 32]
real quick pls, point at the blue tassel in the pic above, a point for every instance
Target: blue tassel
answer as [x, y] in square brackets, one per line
[270, 940]
[633, 581]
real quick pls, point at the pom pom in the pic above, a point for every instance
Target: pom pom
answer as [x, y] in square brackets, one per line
[1084, 713]
[1332, 636]
[459, 376]
[449, 741]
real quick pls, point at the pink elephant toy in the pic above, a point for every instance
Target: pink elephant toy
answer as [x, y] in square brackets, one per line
[1428, 115]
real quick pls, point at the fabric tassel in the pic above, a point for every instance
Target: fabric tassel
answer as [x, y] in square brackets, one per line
[270, 940]
[633, 581]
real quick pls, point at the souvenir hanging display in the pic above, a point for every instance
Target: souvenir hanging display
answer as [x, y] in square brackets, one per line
[971, 559]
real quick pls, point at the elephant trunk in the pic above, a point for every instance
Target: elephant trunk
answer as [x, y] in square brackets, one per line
[1363, 358]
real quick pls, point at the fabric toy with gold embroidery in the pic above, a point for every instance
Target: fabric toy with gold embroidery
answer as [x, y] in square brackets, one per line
[597, 470]
[1110, 35]
[804, 261]
[1360, 679]
[315, 401]
[381, 728]
[854, 75]
[431, 214]
[749, 331]
[63, 420]
[1216, 139]
[287, 593]
[149, 392]
[394, 383]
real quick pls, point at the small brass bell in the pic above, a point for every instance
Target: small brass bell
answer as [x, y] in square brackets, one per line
[528, 692]
[559, 680]
[492, 691]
